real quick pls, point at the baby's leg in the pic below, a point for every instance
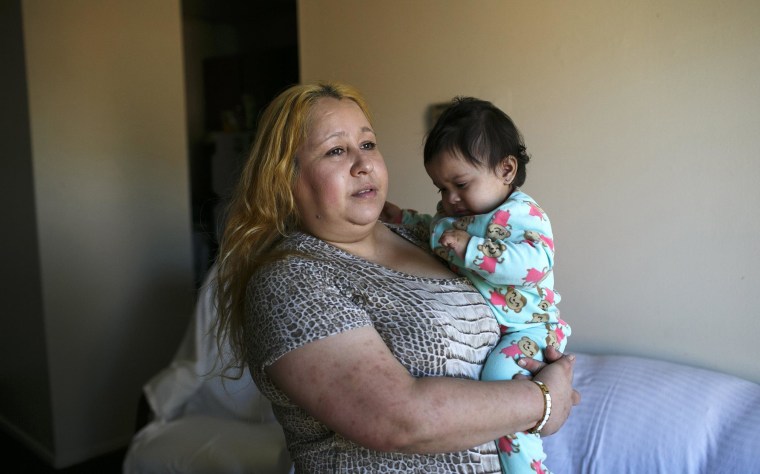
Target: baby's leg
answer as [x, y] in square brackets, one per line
[520, 452]
[501, 363]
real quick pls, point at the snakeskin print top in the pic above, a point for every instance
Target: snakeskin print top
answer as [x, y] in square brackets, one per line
[434, 327]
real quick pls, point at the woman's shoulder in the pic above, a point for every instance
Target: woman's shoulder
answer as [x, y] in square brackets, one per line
[418, 234]
[301, 258]
[298, 249]
[296, 254]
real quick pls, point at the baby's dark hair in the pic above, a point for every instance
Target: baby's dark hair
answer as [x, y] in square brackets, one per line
[481, 132]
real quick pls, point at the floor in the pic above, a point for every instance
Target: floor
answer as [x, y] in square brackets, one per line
[17, 458]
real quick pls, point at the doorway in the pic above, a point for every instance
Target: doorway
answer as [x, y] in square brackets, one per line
[238, 55]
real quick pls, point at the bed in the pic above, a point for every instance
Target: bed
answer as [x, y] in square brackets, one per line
[638, 415]
[200, 422]
[642, 415]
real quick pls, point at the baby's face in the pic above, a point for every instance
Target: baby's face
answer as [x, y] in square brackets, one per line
[466, 189]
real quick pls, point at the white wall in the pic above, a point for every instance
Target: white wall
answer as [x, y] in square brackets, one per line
[642, 120]
[109, 157]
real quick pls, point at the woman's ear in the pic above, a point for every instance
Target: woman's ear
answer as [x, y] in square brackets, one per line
[508, 169]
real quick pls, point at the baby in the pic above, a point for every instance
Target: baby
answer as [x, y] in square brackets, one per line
[497, 236]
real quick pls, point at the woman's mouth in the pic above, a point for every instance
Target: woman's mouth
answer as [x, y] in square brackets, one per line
[365, 192]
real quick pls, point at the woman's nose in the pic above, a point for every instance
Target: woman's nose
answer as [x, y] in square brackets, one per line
[362, 165]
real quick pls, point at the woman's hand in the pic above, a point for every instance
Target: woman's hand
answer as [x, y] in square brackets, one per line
[557, 374]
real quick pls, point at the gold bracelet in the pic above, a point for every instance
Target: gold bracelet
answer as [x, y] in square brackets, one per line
[547, 408]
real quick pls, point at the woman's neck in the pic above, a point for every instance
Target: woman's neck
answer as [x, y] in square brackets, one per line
[366, 245]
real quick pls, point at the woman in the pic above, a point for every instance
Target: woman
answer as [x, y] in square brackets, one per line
[368, 347]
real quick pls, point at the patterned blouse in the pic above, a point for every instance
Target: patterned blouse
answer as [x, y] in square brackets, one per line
[434, 327]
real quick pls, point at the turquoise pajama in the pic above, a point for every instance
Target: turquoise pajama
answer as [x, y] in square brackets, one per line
[510, 260]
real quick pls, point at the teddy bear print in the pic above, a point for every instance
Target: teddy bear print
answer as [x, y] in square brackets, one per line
[525, 347]
[540, 318]
[492, 251]
[533, 238]
[548, 298]
[497, 232]
[552, 337]
[516, 301]
[512, 299]
[463, 222]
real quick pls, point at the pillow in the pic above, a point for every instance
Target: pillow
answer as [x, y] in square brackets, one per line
[192, 384]
[208, 445]
[203, 422]
[641, 415]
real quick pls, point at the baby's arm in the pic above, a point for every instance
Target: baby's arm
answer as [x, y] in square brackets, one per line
[410, 217]
[391, 213]
[525, 243]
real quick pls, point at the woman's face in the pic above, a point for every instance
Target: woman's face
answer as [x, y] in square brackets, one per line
[342, 180]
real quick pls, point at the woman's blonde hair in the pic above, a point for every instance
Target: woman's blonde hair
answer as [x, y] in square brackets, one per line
[263, 209]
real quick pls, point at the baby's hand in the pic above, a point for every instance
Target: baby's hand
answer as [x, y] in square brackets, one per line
[455, 240]
[391, 213]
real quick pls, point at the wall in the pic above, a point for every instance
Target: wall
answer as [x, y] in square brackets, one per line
[110, 192]
[24, 387]
[642, 120]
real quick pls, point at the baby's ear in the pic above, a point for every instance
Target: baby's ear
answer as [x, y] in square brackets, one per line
[508, 168]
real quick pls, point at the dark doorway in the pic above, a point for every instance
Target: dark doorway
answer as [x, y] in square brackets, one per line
[238, 55]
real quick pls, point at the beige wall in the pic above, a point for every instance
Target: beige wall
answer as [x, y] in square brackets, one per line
[642, 120]
[109, 159]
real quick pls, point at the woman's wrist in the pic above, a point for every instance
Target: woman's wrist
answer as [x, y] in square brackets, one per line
[547, 408]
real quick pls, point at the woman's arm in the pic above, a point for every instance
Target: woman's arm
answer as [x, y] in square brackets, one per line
[560, 411]
[352, 383]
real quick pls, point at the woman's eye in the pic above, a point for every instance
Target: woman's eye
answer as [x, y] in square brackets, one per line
[335, 151]
[369, 146]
